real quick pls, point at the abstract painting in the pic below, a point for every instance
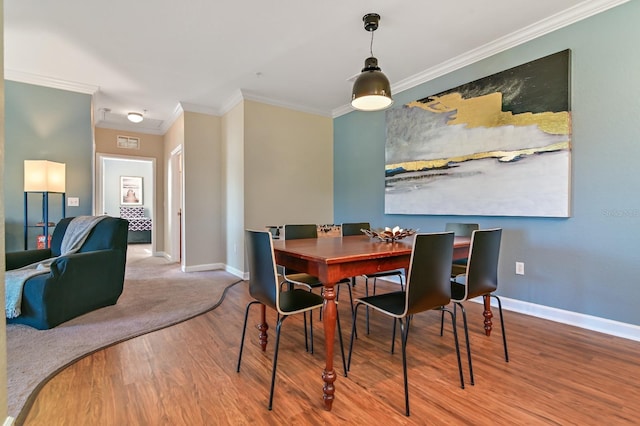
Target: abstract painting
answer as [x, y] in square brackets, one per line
[497, 146]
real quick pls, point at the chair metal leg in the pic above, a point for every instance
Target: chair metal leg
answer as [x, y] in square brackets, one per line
[353, 333]
[306, 337]
[366, 294]
[455, 338]
[351, 298]
[504, 336]
[244, 330]
[344, 362]
[275, 360]
[404, 329]
[466, 336]
[442, 323]
[393, 336]
[311, 331]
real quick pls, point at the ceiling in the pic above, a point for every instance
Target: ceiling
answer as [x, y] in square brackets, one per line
[162, 57]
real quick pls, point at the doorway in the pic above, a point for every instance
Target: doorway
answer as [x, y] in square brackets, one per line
[114, 171]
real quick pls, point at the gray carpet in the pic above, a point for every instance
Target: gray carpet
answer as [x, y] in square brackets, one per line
[156, 294]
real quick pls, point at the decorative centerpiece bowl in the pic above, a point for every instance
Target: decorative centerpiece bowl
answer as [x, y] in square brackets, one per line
[389, 235]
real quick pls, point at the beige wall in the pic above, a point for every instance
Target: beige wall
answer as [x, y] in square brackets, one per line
[3, 327]
[258, 165]
[151, 146]
[203, 233]
[278, 169]
[233, 185]
[288, 166]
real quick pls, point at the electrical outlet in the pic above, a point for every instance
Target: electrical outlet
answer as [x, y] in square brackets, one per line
[519, 268]
[73, 201]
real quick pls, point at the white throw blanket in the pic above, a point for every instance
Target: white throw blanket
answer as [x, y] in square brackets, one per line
[74, 236]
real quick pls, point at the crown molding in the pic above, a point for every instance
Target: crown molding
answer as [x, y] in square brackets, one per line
[177, 112]
[231, 103]
[137, 128]
[346, 109]
[41, 80]
[249, 96]
[183, 107]
[555, 22]
[201, 109]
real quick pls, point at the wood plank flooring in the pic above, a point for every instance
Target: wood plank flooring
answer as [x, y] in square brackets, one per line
[185, 375]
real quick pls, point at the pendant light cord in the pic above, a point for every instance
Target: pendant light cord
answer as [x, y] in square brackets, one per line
[371, 45]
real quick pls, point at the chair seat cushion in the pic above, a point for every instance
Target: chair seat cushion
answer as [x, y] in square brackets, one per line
[303, 279]
[309, 280]
[384, 274]
[392, 303]
[298, 300]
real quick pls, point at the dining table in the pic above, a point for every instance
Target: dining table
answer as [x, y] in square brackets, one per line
[332, 259]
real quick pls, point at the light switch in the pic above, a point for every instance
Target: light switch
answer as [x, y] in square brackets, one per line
[73, 201]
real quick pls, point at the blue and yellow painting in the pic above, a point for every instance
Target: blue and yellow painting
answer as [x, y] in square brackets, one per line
[498, 146]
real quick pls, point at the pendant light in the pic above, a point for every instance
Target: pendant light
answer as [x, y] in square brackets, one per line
[371, 90]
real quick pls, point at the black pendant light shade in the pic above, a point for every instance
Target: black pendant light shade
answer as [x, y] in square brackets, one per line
[371, 90]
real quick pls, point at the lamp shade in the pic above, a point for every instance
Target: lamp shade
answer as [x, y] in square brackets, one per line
[43, 175]
[371, 90]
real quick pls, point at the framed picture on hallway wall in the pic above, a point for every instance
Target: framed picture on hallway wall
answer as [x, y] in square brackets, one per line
[130, 191]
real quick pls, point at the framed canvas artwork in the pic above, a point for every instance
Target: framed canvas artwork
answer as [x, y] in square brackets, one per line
[497, 146]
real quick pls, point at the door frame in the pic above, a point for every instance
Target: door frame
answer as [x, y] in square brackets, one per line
[175, 203]
[99, 203]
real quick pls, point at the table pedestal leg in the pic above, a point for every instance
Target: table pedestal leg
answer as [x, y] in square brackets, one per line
[488, 324]
[329, 317]
[263, 327]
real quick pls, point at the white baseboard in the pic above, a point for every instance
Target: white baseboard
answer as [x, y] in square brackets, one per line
[589, 322]
[238, 273]
[204, 267]
[9, 421]
[216, 266]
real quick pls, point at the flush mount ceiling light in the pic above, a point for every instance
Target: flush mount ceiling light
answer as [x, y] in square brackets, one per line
[371, 90]
[135, 117]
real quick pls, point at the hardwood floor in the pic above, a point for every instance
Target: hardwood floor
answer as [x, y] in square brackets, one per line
[185, 375]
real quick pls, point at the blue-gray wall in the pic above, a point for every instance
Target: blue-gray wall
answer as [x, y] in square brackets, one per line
[45, 124]
[589, 263]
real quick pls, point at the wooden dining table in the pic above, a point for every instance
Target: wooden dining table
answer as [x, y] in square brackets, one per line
[332, 259]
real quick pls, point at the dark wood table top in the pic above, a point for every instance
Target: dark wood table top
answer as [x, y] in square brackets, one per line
[350, 249]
